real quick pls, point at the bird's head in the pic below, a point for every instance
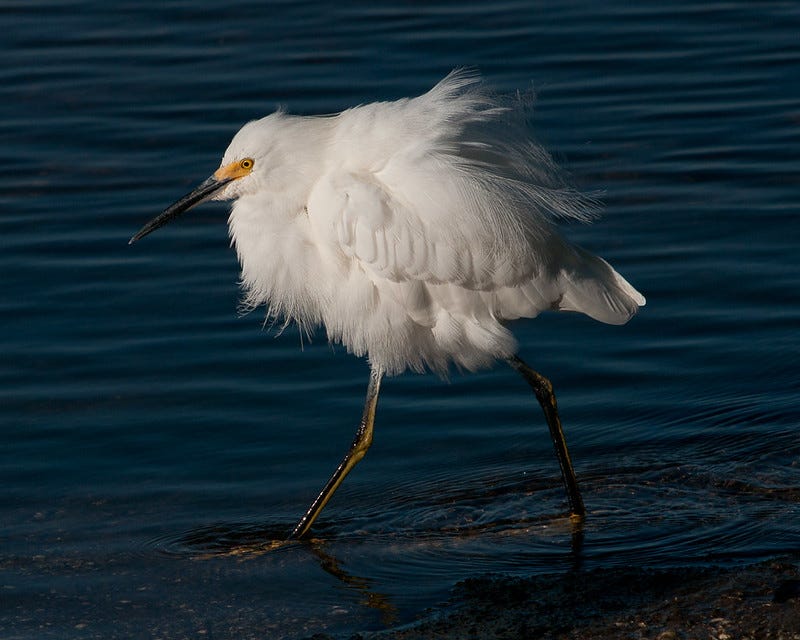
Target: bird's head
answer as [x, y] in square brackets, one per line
[244, 166]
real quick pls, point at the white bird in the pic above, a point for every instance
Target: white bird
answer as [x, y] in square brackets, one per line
[413, 231]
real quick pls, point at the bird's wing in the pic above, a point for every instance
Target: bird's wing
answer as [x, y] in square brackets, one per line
[420, 232]
[449, 191]
[434, 234]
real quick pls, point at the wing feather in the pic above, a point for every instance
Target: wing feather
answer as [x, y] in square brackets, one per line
[465, 199]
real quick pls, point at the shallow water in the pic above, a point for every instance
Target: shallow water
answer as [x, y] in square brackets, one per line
[151, 439]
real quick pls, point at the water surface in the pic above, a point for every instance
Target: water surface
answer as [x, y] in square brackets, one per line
[149, 433]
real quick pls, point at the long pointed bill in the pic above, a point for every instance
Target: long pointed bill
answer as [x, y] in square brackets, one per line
[199, 194]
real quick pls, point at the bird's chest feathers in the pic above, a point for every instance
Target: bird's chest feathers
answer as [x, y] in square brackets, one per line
[280, 264]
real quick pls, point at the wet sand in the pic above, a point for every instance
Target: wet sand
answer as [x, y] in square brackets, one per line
[756, 602]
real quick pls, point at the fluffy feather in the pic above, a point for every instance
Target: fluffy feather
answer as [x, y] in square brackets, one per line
[414, 229]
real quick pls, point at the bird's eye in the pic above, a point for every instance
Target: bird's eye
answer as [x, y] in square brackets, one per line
[247, 163]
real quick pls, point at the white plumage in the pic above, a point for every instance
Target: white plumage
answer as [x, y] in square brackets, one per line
[413, 231]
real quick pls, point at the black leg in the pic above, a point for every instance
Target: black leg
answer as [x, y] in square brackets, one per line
[357, 450]
[544, 394]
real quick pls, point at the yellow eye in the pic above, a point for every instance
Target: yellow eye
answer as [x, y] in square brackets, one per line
[247, 164]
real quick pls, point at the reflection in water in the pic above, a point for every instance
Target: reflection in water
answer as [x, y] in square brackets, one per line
[371, 599]
[249, 541]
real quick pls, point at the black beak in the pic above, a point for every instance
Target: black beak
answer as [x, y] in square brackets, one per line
[199, 194]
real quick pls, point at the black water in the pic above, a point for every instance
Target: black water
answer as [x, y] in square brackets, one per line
[150, 437]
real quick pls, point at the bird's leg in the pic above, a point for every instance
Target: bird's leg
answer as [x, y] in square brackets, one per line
[544, 394]
[361, 443]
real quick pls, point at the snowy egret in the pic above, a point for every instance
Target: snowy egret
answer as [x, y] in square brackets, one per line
[413, 230]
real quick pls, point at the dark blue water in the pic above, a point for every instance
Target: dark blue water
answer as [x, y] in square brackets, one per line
[150, 436]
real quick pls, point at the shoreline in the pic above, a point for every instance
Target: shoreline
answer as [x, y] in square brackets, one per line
[754, 602]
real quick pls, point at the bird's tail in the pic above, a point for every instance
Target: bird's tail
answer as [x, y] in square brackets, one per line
[590, 285]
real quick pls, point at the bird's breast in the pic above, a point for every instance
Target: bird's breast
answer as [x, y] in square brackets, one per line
[280, 265]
